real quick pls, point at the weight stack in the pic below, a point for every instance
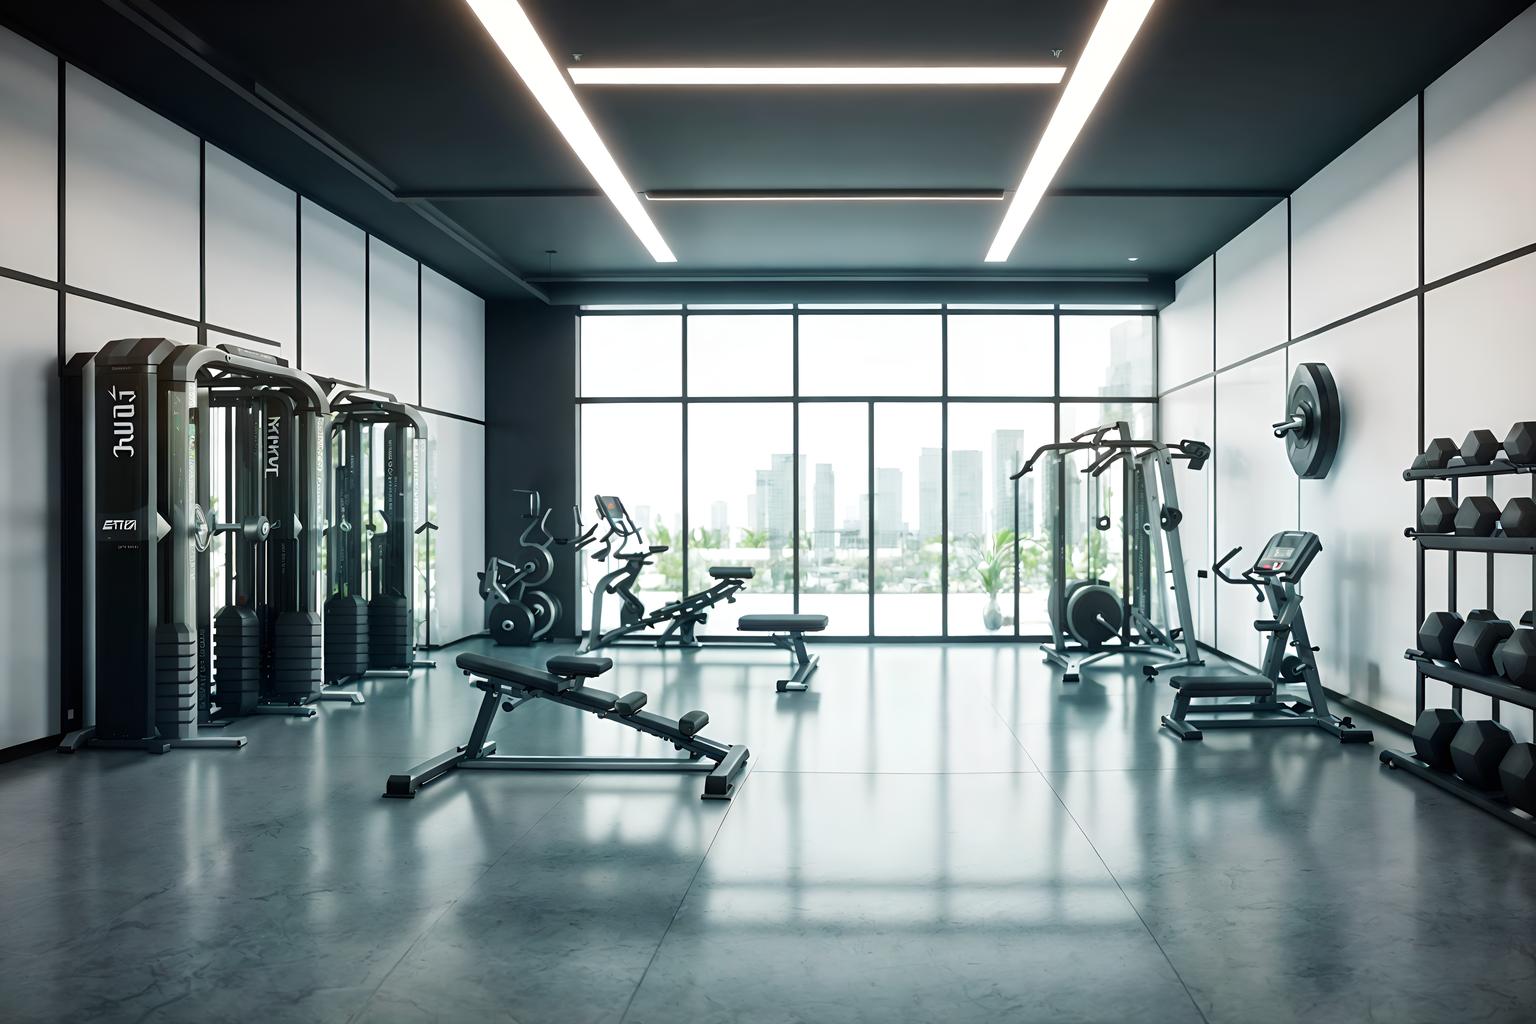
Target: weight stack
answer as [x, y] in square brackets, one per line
[346, 637]
[175, 679]
[298, 658]
[389, 632]
[236, 659]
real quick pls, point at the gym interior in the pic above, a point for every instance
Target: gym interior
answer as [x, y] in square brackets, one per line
[808, 512]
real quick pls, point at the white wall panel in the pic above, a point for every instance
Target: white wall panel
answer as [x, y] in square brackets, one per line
[1189, 413]
[1480, 153]
[1255, 492]
[30, 636]
[334, 279]
[1252, 289]
[392, 353]
[1360, 592]
[1184, 329]
[131, 192]
[452, 347]
[29, 158]
[1479, 362]
[1355, 227]
[456, 503]
[89, 324]
[252, 264]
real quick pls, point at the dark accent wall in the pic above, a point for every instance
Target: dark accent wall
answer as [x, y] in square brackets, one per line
[531, 438]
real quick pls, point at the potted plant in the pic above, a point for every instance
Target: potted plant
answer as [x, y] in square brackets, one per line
[993, 566]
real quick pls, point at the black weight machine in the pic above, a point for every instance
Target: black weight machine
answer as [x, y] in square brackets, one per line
[518, 612]
[1092, 619]
[376, 499]
[1274, 576]
[140, 419]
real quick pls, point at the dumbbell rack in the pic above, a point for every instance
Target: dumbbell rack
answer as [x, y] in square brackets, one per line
[1501, 691]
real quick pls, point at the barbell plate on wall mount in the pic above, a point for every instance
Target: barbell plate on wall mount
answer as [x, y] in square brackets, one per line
[1311, 426]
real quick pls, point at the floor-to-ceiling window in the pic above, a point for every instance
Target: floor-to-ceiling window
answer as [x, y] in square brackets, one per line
[859, 459]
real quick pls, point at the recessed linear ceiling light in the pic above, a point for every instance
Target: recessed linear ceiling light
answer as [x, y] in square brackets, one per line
[828, 196]
[509, 26]
[1111, 38]
[818, 76]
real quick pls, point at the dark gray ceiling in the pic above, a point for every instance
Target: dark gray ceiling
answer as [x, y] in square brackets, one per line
[1225, 102]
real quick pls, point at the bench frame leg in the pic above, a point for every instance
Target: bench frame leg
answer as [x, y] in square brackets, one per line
[805, 662]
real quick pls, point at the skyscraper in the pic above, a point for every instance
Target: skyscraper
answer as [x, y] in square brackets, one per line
[720, 518]
[966, 507]
[930, 493]
[775, 498]
[889, 526]
[1007, 457]
[824, 521]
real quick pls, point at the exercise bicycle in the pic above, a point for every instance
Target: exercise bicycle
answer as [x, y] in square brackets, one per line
[1274, 577]
[517, 612]
[682, 617]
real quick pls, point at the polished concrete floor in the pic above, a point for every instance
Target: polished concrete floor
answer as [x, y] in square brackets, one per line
[930, 834]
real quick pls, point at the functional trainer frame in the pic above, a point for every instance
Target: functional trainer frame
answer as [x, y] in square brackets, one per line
[507, 687]
[1090, 620]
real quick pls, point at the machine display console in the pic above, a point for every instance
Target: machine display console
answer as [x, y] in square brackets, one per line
[612, 509]
[1288, 553]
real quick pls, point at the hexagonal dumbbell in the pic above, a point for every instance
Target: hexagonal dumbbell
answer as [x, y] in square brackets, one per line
[1437, 516]
[1478, 638]
[1516, 658]
[1479, 448]
[1432, 735]
[1520, 443]
[1477, 516]
[1437, 637]
[1437, 454]
[1477, 751]
[1518, 518]
[1517, 774]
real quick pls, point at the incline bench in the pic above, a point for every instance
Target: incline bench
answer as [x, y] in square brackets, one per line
[508, 686]
[789, 633]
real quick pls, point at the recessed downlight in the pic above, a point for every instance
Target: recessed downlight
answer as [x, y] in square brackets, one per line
[1111, 38]
[509, 27]
[1132, 259]
[706, 76]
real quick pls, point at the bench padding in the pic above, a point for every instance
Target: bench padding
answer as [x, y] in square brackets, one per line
[782, 623]
[732, 572]
[571, 665]
[1228, 685]
[522, 675]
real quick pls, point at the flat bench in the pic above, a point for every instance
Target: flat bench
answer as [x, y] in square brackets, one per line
[789, 633]
[732, 572]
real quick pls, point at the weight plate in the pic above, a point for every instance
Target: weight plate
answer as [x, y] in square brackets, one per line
[1314, 399]
[512, 625]
[546, 611]
[1094, 615]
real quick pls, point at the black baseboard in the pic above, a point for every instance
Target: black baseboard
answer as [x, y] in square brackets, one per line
[452, 643]
[29, 748]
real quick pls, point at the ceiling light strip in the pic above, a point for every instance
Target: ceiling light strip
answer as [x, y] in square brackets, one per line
[509, 26]
[827, 196]
[697, 76]
[1111, 38]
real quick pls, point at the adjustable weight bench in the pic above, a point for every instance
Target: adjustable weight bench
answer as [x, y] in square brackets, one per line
[789, 634]
[508, 686]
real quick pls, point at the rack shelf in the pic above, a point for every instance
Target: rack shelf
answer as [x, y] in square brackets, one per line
[1497, 467]
[1492, 803]
[1488, 686]
[1483, 545]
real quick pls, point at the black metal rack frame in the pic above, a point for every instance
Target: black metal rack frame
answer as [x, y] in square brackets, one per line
[1460, 680]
